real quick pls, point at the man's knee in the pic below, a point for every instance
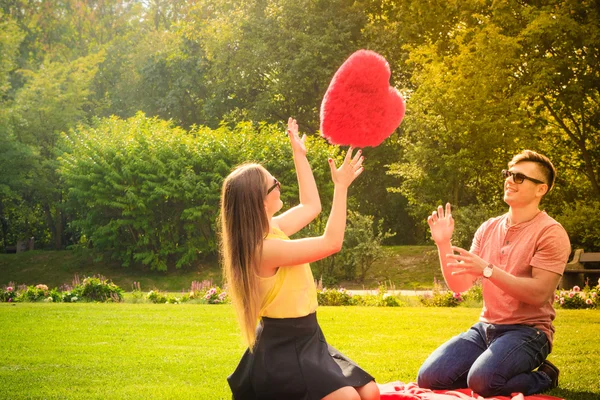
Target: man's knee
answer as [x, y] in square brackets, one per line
[485, 384]
[432, 377]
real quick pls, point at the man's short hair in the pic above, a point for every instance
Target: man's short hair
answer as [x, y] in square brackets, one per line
[544, 162]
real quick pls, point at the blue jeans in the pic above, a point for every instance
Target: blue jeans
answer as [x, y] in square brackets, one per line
[491, 360]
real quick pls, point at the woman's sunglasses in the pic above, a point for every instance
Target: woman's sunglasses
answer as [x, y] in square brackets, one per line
[519, 177]
[276, 184]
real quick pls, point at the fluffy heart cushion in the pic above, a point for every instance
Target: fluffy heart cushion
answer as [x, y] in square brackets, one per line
[360, 108]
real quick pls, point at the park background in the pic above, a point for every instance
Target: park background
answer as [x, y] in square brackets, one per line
[120, 119]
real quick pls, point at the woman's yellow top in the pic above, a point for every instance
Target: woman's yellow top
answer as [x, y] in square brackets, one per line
[291, 292]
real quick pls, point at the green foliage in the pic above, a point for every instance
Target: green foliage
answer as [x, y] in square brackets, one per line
[474, 294]
[481, 75]
[148, 192]
[157, 297]
[98, 288]
[582, 221]
[334, 297]
[268, 60]
[441, 297]
[198, 293]
[10, 39]
[8, 294]
[588, 297]
[482, 80]
[215, 295]
[33, 293]
[468, 219]
[362, 245]
[380, 299]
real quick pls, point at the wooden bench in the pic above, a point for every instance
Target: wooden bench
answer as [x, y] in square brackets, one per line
[580, 268]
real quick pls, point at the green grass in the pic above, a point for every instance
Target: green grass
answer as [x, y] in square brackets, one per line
[146, 351]
[404, 267]
[55, 268]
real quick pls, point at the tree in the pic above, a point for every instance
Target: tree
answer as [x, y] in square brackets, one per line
[10, 39]
[55, 98]
[270, 60]
[502, 78]
[560, 84]
[362, 245]
[463, 122]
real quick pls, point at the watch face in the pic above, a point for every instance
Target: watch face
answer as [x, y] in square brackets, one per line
[487, 271]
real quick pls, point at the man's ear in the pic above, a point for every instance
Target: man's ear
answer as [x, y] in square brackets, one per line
[542, 190]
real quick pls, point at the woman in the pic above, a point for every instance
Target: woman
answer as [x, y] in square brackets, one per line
[269, 279]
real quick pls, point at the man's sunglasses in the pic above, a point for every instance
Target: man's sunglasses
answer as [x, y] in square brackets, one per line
[519, 177]
[275, 184]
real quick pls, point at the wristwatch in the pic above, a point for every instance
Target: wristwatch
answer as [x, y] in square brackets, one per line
[487, 271]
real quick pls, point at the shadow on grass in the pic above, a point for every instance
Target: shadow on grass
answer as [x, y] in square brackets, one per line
[572, 394]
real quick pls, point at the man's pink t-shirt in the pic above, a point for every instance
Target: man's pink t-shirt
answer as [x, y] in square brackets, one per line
[541, 243]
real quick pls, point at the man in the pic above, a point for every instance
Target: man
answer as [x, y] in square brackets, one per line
[520, 256]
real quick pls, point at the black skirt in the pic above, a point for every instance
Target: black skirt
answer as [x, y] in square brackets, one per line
[292, 360]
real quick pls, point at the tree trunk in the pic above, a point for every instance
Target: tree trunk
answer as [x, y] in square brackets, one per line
[4, 227]
[56, 225]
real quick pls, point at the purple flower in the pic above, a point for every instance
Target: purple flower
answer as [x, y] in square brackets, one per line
[588, 301]
[576, 289]
[10, 300]
[9, 289]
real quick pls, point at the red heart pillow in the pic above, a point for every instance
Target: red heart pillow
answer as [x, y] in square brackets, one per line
[360, 108]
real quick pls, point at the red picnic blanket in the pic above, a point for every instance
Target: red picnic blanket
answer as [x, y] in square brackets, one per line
[410, 391]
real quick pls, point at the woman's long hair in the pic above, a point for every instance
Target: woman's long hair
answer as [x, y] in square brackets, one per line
[244, 225]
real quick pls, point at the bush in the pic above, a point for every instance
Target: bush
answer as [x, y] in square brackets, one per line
[216, 295]
[147, 192]
[441, 297]
[98, 288]
[199, 291]
[475, 294]
[33, 293]
[157, 297]
[576, 298]
[340, 297]
[334, 297]
[7, 294]
[95, 288]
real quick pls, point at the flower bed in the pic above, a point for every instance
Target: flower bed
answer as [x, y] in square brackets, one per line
[575, 298]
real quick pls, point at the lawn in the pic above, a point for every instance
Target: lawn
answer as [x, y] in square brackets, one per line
[404, 267]
[147, 351]
[55, 268]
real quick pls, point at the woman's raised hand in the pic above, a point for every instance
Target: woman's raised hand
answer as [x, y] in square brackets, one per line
[295, 140]
[349, 170]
